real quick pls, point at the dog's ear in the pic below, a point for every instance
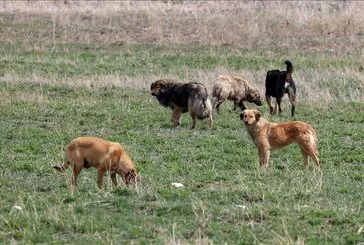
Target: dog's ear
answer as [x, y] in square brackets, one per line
[258, 114]
[242, 114]
[115, 156]
[132, 178]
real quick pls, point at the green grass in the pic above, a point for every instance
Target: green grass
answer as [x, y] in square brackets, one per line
[68, 71]
[226, 198]
[142, 60]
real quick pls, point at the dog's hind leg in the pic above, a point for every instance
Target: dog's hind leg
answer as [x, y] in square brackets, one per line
[309, 151]
[194, 119]
[279, 101]
[315, 158]
[305, 157]
[292, 99]
[76, 171]
[313, 153]
[218, 103]
[269, 102]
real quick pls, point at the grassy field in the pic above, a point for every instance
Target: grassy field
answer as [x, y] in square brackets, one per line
[54, 88]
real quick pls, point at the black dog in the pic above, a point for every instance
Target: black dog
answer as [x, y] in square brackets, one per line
[277, 83]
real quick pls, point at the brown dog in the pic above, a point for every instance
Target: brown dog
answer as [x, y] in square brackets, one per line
[105, 156]
[273, 136]
[234, 88]
[182, 98]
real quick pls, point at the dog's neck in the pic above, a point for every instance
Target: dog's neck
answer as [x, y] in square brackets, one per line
[254, 129]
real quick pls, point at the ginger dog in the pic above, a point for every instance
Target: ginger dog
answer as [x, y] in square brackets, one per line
[269, 136]
[105, 156]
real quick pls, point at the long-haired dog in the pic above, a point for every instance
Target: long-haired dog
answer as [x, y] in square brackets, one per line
[269, 136]
[234, 88]
[278, 83]
[105, 156]
[183, 97]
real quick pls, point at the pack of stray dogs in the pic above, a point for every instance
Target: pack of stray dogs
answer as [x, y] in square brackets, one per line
[111, 157]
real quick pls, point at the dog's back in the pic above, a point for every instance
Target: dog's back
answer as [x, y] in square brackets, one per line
[274, 83]
[91, 150]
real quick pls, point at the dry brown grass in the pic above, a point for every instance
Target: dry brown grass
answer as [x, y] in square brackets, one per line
[294, 25]
[323, 87]
[318, 25]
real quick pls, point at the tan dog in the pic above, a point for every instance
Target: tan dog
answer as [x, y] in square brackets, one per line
[105, 156]
[234, 88]
[269, 136]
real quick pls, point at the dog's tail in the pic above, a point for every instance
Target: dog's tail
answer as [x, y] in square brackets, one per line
[289, 66]
[63, 167]
[313, 140]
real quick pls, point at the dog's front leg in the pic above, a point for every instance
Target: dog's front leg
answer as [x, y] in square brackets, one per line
[264, 154]
[113, 179]
[100, 176]
[242, 106]
[176, 116]
[236, 104]
[75, 173]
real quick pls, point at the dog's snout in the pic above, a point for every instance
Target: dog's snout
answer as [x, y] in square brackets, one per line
[258, 102]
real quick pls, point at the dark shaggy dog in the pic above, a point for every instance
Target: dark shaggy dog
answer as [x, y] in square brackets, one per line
[277, 83]
[234, 88]
[182, 98]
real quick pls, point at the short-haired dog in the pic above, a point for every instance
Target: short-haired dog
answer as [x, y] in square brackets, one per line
[105, 156]
[278, 83]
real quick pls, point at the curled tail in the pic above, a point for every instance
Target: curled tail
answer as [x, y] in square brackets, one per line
[62, 167]
[289, 66]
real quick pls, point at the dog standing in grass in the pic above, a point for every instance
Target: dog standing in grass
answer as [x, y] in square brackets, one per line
[234, 88]
[105, 156]
[183, 97]
[269, 136]
[278, 83]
